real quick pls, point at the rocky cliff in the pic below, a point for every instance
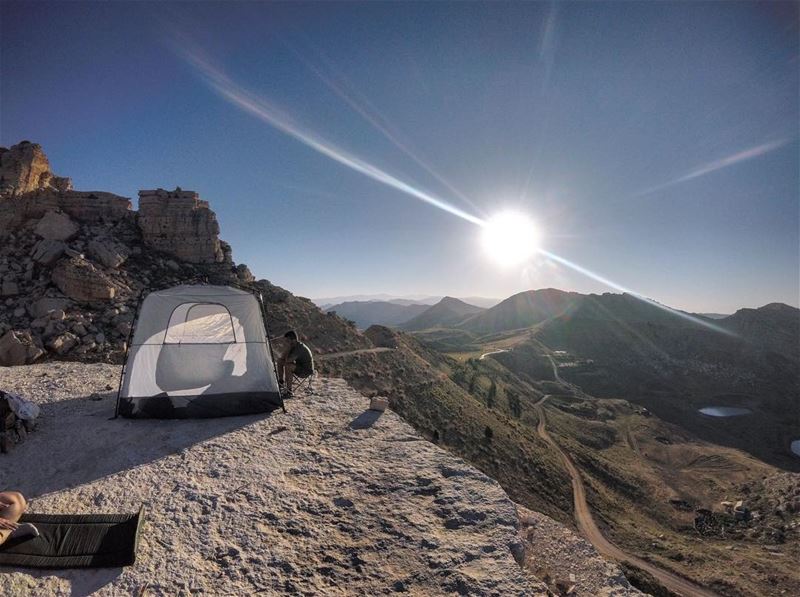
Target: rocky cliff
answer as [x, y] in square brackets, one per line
[73, 264]
[181, 224]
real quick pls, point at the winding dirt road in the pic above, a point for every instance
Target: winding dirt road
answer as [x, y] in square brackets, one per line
[588, 527]
[486, 354]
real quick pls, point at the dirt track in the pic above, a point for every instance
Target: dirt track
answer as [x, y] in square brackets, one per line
[347, 353]
[588, 527]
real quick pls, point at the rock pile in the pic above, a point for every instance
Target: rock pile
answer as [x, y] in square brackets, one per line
[73, 264]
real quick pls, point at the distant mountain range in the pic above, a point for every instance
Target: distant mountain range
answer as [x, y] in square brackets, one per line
[446, 311]
[367, 313]
[326, 303]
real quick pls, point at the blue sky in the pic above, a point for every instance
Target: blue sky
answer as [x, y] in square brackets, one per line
[655, 144]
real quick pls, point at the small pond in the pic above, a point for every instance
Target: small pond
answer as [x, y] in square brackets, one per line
[725, 411]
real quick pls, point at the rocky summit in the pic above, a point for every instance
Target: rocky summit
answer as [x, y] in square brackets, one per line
[74, 263]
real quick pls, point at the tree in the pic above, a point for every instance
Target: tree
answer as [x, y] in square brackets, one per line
[514, 404]
[492, 395]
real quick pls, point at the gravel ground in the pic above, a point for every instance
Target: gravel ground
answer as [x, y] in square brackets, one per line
[564, 558]
[326, 499]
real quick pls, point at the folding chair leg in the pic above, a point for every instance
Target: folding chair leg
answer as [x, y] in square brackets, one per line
[305, 383]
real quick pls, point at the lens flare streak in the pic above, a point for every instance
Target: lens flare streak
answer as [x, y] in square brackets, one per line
[271, 115]
[615, 286]
[731, 160]
[266, 112]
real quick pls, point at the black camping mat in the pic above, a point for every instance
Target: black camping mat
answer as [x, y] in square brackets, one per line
[76, 541]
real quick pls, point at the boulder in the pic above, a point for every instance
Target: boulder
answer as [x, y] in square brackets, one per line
[45, 305]
[48, 251]
[18, 348]
[56, 226]
[9, 288]
[244, 274]
[108, 252]
[80, 280]
[63, 343]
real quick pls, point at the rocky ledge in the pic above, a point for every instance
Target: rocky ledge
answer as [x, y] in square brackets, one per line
[326, 499]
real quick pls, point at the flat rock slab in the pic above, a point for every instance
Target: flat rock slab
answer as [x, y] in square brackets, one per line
[322, 500]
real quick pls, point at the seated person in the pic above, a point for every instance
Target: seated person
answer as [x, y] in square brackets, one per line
[12, 507]
[297, 360]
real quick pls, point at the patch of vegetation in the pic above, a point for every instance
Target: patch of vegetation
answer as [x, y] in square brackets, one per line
[644, 581]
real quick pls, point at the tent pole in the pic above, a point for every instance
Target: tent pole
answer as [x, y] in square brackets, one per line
[127, 351]
[271, 353]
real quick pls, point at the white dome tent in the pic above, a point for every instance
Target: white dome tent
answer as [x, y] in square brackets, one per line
[199, 351]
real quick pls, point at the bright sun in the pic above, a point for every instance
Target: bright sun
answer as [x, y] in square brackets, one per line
[510, 238]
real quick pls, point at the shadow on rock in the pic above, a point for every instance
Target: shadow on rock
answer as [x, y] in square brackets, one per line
[366, 419]
[76, 442]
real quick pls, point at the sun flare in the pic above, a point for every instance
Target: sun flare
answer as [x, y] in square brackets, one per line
[510, 238]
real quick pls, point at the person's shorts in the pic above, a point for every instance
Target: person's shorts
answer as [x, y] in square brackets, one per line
[302, 370]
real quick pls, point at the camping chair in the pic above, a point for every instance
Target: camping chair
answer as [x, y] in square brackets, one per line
[304, 383]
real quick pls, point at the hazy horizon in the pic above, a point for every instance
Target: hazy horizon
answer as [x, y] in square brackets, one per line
[352, 148]
[378, 296]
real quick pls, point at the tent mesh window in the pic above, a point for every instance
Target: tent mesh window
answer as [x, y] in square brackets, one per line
[200, 323]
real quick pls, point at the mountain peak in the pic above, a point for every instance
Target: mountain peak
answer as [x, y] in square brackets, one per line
[24, 168]
[447, 312]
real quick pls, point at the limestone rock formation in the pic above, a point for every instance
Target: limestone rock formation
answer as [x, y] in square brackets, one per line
[24, 168]
[180, 223]
[56, 226]
[80, 280]
[84, 207]
[18, 348]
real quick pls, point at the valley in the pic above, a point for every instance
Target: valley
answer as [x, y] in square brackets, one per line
[660, 484]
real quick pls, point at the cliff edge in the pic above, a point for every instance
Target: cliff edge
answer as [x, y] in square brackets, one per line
[326, 499]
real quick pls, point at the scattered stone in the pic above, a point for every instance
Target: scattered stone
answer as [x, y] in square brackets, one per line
[56, 226]
[108, 253]
[18, 348]
[9, 288]
[63, 344]
[48, 251]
